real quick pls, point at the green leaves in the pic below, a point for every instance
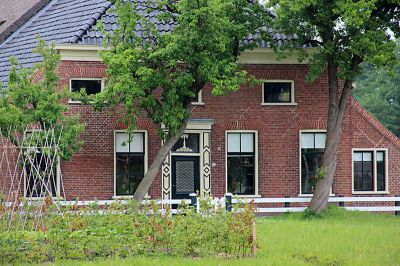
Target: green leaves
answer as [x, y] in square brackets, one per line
[348, 31]
[160, 73]
[32, 98]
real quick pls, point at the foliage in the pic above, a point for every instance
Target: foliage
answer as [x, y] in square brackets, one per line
[342, 238]
[378, 90]
[32, 99]
[344, 34]
[129, 230]
[160, 73]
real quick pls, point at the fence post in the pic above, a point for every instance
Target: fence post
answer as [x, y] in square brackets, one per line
[341, 203]
[287, 204]
[193, 200]
[397, 204]
[228, 202]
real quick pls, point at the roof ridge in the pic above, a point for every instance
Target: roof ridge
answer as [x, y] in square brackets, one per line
[375, 122]
[28, 22]
[90, 23]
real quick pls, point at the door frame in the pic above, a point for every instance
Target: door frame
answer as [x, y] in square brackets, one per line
[202, 127]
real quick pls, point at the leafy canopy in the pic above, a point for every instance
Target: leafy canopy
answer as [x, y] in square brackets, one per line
[162, 72]
[27, 102]
[378, 90]
[352, 31]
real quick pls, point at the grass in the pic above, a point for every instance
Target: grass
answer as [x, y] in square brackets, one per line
[337, 238]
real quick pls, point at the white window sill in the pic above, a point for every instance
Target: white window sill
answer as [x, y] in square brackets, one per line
[370, 192]
[246, 196]
[278, 104]
[128, 197]
[310, 195]
[197, 103]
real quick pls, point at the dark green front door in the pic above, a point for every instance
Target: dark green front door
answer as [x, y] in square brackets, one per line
[185, 176]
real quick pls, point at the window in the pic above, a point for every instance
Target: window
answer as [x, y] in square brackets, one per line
[130, 162]
[241, 163]
[40, 170]
[312, 149]
[278, 92]
[91, 86]
[198, 100]
[369, 171]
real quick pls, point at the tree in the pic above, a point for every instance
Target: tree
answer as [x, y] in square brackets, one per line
[347, 33]
[27, 102]
[159, 74]
[378, 90]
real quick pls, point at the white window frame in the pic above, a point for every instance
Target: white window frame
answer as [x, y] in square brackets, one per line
[255, 132]
[58, 174]
[199, 99]
[292, 93]
[374, 151]
[70, 87]
[308, 131]
[146, 152]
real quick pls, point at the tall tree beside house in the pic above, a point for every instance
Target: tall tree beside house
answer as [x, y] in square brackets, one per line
[378, 90]
[160, 74]
[32, 99]
[347, 33]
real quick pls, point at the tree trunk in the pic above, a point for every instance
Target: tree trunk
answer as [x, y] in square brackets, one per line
[152, 172]
[336, 114]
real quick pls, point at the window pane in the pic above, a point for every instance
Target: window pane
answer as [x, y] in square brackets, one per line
[307, 140]
[367, 156]
[122, 174]
[233, 142]
[121, 142]
[367, 176]
[320, 139]
[381, 171]
[357, 157]
[247, 142]
[380, 156]
[310, 162]
[137, 140]
[241, 175]
[129, 172]
[40, 180]
[90, 86]
[277, 92]
[136, 171]
[187, 143]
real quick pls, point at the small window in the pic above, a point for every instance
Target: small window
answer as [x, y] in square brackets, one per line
[276, 92]
[241, 163]
[188, 143]
[198, 100]
[312, 150]
[130, 162]
[369, 171]
[91, 86]
[40, 170]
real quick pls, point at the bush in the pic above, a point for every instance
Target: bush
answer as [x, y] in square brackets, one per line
[129, 230]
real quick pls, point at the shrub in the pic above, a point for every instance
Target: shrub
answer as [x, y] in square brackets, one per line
[129, 230]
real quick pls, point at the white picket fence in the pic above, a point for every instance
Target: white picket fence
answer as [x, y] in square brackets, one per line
[227, 202]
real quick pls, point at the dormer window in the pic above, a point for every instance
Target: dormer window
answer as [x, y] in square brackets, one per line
[91, 85]
[278, 92]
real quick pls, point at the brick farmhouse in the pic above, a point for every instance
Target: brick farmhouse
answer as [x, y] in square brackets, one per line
[262, 141]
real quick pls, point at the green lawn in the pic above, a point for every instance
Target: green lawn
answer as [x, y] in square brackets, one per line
[342, 238]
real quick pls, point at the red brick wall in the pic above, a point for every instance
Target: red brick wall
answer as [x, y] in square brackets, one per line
[90, 175]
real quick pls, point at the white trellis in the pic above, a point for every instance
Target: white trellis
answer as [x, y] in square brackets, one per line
[30, 177]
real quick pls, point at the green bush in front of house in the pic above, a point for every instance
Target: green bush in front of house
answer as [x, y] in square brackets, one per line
[127, 231]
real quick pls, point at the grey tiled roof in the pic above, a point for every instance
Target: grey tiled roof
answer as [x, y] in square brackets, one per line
[71, 21]
[61, 21]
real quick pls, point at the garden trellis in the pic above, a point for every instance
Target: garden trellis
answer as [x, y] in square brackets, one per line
[29, 174]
